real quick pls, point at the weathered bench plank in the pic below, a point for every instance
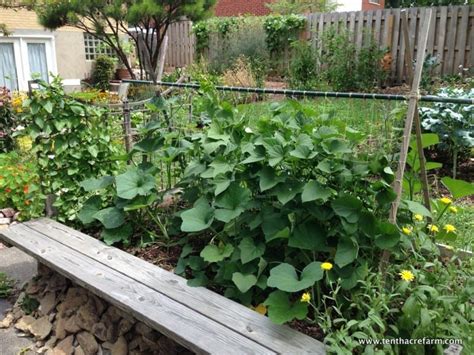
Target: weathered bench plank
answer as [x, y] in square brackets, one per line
[250, 324]
[191, 329]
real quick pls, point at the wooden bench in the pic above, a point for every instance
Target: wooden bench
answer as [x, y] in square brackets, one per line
[197, 318]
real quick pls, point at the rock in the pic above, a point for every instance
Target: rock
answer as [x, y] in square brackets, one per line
[5, 221]
[75, 298]
[100, 305]
[65, 346]
[167, 346]
[51, 342]
[60, 329]
[78, 351]
[57, 283]
[88, 343]
[72, 324]
[143, 329]
[41, 328]
[87, 316]
[43, 270]
[24, 323]
[7, 321]
[100, 331]
[8, 212]
[120, 347]
[107, 345]
[48, 303]
[125, 326]
[112, 314]
[33, 288]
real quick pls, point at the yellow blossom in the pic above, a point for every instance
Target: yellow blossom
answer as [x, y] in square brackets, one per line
[449, 228]
[418, 217]
[326, 266]
[432, 228]
[261, 309]
[453, 209]
[407, 275]
[24, 143]
[305, 297]
[407, 230]
[445, 201]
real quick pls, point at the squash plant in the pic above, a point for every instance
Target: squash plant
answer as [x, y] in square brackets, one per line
[271, 199]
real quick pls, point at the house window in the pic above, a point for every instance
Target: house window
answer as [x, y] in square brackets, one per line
[8, 74]
[376, 2]
[95, 47]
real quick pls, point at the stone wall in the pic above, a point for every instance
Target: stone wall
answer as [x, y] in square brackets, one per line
[65, 319]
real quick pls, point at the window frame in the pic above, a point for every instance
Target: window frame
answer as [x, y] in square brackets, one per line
[92, 48]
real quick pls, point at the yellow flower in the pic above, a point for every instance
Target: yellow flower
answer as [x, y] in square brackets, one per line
[418, 217]
[24, 143]
[445, 201]
[449, 228]
[407, 275]
[326, 266]
[261, 309]
[453, 209]
[433, 229]
[407, 230]
[305, 297]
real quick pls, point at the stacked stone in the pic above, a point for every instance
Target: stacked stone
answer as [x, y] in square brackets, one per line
[72, 321]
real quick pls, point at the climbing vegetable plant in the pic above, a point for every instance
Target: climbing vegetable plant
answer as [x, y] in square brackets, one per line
[282, 30]
[273, 199]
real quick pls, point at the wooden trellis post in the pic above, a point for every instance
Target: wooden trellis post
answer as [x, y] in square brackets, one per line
[411, 113]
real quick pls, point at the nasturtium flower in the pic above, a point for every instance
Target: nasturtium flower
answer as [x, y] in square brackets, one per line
[407, 275]
[407, 230]
[449, 228]
[433, 229]
[305, 297]
[418, 217]
[445, 201]
[261, 309]
[453, 209]
[326, 266]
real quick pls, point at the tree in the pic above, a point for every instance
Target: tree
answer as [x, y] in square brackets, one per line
[144, 21]
[420, 3]
[286, 7]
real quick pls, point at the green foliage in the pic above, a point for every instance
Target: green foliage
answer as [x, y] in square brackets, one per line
[201, 31]
[282, 31]
[303, 72]
[103, 72]
[6, 285]
[277, 196]
[422, 3]
[6, 121]
[288, 7]
[72, 142]
[345, 68]
[19, 185]
[454, 123]
[29, 304]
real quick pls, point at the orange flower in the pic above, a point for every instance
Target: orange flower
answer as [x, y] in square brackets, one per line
[8, 190]
[25, 189]
[27, 202]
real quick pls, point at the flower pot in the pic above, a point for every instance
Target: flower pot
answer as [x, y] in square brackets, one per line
[122, 73]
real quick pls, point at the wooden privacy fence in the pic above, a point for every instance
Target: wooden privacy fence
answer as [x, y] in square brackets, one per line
[451, 36]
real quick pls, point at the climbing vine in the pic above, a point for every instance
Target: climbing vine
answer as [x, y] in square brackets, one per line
[282, 30]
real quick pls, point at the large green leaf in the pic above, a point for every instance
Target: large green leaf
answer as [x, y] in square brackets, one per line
[346, 253]
[97, 184]
[134, 182]
[276, 152]
[357, 274]
[347, 207]
[417, 208]
[117, 235]
[149, 144]
[232, 203]
[336, 146]
[281, 310]
[285, 278]
[220, 166]
[388, 237]
[89, 209]
[249, 250]
[268, 178]
[275, 226]
[213, 253]
[458, 188]
[304, 148]
[427, 140]
[308, 236]
[110, 217]
[313, 190]
[285, 192]
[244, 282]
[198, 218]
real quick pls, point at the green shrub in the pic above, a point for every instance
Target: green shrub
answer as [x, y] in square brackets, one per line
[303, 72]
[272, 196]
[6, 121]
[103, 72]
[71, 141]
[6, 285]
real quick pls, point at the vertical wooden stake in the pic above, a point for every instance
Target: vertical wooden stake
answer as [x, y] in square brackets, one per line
[127, 127]
[412, 110]
[419, 142]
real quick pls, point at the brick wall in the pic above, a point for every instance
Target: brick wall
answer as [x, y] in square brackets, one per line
[23, 20]
[241, 7]
[373, 5]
